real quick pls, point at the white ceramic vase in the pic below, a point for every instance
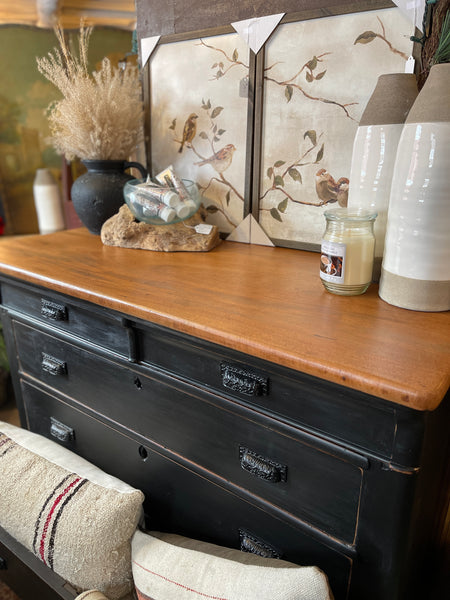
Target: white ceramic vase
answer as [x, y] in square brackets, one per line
[375, 149]
[416, 264]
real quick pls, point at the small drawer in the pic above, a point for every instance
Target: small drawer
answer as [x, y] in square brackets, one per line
[52, 310]
[295, 471]
[345, 414]
[183, 501]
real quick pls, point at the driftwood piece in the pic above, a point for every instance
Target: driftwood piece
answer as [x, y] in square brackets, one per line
[124, 230]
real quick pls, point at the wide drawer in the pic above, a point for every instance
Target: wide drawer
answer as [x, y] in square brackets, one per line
[294, 471]
[53, 310]
[328, 408]
[180, 500]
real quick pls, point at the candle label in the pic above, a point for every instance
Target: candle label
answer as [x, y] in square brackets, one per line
[332, 261]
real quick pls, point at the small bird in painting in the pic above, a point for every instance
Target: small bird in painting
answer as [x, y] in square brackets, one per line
[328, 190]
[221, 160]
[189, 130]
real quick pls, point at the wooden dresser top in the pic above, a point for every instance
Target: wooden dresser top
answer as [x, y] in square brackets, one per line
[267, 302]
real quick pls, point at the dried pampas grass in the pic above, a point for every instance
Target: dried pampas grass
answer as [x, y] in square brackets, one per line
[100, 115]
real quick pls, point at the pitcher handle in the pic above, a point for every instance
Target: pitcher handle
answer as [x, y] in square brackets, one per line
[138, 166]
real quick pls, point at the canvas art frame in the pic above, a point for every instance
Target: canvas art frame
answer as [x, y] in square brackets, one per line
[273, 209]
[199, 92]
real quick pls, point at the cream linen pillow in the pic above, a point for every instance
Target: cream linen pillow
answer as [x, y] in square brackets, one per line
[171, 567]
[76, 518]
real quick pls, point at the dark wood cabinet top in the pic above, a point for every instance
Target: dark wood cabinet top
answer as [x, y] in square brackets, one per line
[266, 302]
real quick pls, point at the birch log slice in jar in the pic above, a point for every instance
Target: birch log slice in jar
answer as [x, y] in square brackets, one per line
[347, 251]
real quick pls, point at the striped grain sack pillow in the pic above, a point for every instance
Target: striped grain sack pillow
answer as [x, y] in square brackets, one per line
[172, 567]
[74, 517]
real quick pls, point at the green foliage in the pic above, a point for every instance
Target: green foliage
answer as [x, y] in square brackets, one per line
[442, 54]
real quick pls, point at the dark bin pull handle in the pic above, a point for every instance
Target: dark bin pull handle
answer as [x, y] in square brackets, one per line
[254, 545]
[61, 432]
[3, 564]
[262, 467]
[243, 381]
[53, 311]
[52, 365]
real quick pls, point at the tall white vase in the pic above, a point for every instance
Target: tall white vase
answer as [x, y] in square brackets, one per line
[47, 201]
[375, 149]
[416, 264]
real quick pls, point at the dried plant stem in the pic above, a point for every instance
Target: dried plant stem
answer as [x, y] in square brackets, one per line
[101, 115]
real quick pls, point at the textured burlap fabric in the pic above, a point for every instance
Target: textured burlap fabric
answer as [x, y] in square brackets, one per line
[171, 567]
[74, 517]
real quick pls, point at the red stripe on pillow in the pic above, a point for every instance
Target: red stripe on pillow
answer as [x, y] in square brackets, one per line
[49, 516]
[181, 585]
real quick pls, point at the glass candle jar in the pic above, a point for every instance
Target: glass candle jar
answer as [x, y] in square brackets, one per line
[347, 251]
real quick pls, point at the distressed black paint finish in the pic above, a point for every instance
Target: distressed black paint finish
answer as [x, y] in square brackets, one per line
[308, 470]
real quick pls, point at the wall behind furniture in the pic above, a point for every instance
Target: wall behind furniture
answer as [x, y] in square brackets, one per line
[24, 97]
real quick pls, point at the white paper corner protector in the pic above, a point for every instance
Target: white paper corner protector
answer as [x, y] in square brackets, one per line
[255, 32]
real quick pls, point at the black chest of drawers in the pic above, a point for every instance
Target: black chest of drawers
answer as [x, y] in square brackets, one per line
[232, 449]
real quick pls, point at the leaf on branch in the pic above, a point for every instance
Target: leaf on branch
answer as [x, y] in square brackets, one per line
[295, 174]
[312, 136]
[227, 198]
[174, 123]
[320, 75]
[365, 38]
[269, 172]
[312, 64]
[216, 139]
[221, 131]
[278, 181]
[309, 77]
[212, 209]
[320, 154]
[276, 215]
[235, 55]
[216, 112]
[221, 65]
[288, 91]
[219, 74]
[279, 163]
[203, 135]
[283, 205]
[215, 65]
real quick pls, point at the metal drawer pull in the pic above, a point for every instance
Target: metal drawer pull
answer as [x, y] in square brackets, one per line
[243, 381]
[262, 467]
[61, 432]
[254, 545]
[3, 564]
[53, 311]
[53, 365]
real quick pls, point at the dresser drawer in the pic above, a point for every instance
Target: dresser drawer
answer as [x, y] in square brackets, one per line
[100, 328]
[328, 408]
[296, 472]
[180, 499]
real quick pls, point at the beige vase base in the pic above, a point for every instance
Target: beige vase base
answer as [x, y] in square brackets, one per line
[414, 294]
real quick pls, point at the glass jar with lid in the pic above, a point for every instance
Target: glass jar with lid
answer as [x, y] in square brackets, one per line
[347, 251]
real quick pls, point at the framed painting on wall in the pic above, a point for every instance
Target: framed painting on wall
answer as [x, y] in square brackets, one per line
[199, 116]
[317, 78]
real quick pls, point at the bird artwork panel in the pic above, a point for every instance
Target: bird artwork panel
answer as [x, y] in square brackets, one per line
[198, 120]
[318, 76]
